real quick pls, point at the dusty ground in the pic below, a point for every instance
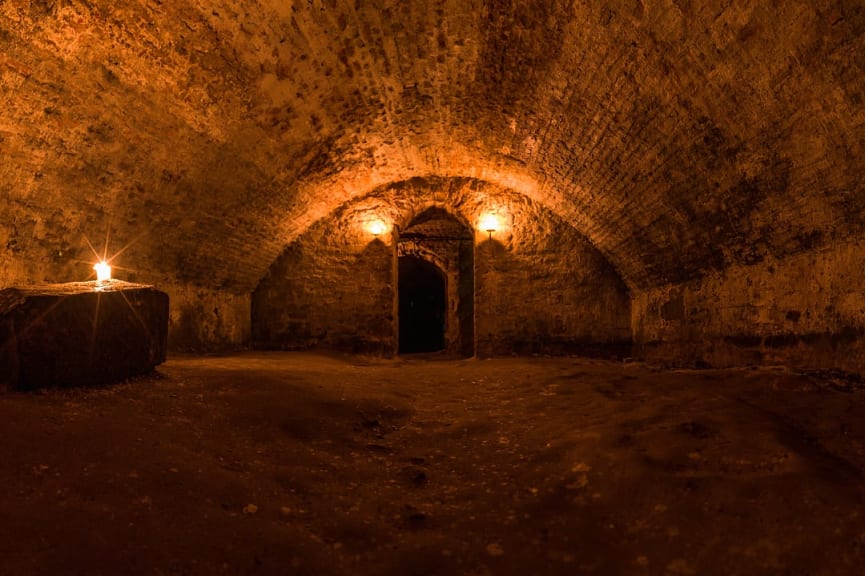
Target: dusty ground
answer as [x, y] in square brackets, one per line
[309, 464]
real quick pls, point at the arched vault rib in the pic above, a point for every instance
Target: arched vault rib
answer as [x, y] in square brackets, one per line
[465, 197]
[401, 162]
[680, 138]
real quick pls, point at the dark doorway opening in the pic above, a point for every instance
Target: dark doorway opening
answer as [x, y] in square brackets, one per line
[422, 306]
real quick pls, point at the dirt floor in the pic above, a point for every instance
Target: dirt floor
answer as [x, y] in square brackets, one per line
[287, 463]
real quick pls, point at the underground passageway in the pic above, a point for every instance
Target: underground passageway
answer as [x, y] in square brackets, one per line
[422, 306]
[432, 287]
[436, 288]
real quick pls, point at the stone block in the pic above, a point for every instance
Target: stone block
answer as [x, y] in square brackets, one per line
[80, 334]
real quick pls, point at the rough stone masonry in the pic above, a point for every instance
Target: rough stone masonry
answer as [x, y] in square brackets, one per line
[709, 153]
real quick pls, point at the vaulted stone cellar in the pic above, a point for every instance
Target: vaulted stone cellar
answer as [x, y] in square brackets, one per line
[453, 286]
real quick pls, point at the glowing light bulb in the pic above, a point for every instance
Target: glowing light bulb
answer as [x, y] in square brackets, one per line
[376, 227]
[103, 271]
[489, 223]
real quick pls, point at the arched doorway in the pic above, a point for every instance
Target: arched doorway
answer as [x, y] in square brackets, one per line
[439, 243]
[422, 306]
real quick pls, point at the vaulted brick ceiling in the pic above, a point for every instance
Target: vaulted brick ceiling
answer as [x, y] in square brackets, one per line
[679, 136]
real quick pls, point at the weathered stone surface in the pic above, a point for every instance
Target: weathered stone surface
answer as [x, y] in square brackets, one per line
[332, 288]
[542, 288]
[80, 334]
[205, 319]
[686, 141]
[678, 137]
[537, 286]
[806, 311]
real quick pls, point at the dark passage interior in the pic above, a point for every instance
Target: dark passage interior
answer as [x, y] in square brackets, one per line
[422, 306]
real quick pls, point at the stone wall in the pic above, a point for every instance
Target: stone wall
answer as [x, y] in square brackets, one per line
[679, 137]
[804, 311]
[692, 143]
[333, 288]
[205, 320]
[540, 287]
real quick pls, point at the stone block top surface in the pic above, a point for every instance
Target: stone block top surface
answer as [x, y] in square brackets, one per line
[15, 295]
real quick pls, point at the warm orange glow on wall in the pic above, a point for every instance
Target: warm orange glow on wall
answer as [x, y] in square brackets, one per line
[376, 227]
[489, 223]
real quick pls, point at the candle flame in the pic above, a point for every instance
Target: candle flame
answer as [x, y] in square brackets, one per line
[103, 271]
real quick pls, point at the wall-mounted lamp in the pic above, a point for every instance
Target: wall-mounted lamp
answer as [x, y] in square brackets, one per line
[376, 227]
[103, 271]
[489, 223]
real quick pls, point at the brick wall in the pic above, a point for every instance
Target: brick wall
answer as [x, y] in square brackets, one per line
[540, 287]
[689, 142]
[806, 311]
[206, 320]
[332, 288]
